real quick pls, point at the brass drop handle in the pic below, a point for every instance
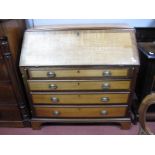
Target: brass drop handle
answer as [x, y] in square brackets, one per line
[106, 73]
[106, 85]
[53, 86]
[56, 113]
[105, 99]
[51, 74]
[54, 99]
[104, 112]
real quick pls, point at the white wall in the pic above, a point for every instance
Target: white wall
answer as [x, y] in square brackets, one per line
[131, 22]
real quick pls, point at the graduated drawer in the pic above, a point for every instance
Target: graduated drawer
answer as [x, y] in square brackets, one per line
[80, 98]
[53, 85]
[83, 112]
[71, 73]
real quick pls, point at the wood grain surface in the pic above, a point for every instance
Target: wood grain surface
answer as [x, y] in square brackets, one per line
[78, 47]
[82, 98]
[78, 73]
[78, 85]
[80, 112]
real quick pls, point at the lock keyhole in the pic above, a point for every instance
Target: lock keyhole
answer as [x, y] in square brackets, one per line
[78, 71]
[78, 33]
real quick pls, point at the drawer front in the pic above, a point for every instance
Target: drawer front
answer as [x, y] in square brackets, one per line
[80, 98]
[58, 73]
[83, 112]
[10, 113]
[78, 85]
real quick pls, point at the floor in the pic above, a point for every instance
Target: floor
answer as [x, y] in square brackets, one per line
[72, 130]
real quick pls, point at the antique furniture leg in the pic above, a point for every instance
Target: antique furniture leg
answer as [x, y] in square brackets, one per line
[36, 125]
[125, 125]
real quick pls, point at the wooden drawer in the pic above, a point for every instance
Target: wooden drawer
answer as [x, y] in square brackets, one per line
[80, 98]
[10, 113]
[52, 85]
[70, 73]
[83, 112]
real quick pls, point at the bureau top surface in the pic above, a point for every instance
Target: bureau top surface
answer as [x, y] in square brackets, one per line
[79, 45]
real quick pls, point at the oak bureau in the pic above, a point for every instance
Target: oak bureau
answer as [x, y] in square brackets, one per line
[80, 73]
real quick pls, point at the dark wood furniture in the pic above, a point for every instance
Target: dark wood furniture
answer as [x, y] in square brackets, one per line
[13, 112]
[146, 76]
[145, 34]
[80, 73]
